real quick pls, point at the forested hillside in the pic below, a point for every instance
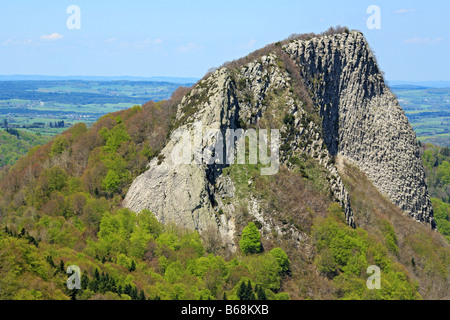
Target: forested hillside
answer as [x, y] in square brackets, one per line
[310, 231]
[60, 206]
[15, 143]
[436, 161]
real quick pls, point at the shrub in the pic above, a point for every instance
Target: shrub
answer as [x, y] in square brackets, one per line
[59, 145]
[281, 258]
[251, 239]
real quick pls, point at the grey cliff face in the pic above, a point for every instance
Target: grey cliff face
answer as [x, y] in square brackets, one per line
[360, 120]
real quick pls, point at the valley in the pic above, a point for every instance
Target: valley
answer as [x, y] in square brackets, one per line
[355, 189]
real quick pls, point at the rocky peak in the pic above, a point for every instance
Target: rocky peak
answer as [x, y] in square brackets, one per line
[362, 119]
[348, 111]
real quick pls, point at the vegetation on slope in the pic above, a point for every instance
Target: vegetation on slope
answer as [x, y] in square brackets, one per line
[436, 162]
[421, 253]
[331, 260]
[61, 205]
[15, 143]
[135, 257]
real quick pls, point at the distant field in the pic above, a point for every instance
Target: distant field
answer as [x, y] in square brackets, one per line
[35, 106]
[428, 110]
[41, 106]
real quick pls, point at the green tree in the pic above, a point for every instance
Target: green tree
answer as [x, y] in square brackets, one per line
[84, 281]
[266, 271]
[245, 291]
[147, 221]
[250, 292]
[281, 258]
[62, 266]
[114, 137]
[251, 239]
[133, 266]
[73, 294]
[445, 151]
[59, 145]
[242, 291]
[260, 293]
[443, 173]
[138, 242]
[57, 179]
[111, 182]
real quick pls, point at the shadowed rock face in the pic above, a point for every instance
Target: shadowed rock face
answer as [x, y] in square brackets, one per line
[361, 120]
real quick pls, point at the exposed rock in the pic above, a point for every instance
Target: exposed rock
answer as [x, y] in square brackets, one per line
[359, 119]
[362, 119]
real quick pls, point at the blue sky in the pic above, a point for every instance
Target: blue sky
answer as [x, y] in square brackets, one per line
[186, 38]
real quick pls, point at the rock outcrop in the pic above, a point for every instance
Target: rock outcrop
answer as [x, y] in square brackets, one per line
[362, 119]
[354, 115]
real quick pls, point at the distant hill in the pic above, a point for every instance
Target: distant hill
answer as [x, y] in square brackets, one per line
[426, 84]
[428, 110]
[407, 87]
[179, 80]
[25, 102]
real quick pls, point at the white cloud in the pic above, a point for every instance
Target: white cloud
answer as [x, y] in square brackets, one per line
[52, 37]
[152, 41]
[418, 40]
[403, 11]
[187, 48]
[17, 42]
[140, 44]
[148, 42]
[247, 45]
[251, 43]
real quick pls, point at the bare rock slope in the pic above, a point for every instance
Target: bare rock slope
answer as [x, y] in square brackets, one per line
[353, 115]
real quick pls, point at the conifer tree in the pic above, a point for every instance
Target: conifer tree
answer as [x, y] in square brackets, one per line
[96, 274]
[127, 290]
[84, 281]
[73, 294]
[134, 294]
[133, 266]
[50, 261]
[112, 285]
[250, 293]
[260, 293]
[62, 266]
[242, 291]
